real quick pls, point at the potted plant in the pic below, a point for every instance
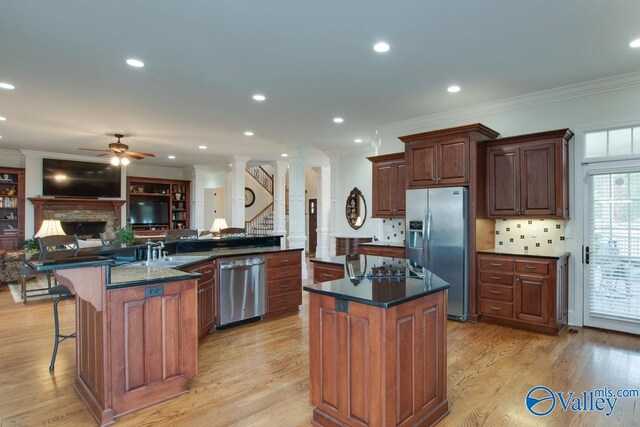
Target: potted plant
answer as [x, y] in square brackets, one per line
[31, 246]
[126, 235]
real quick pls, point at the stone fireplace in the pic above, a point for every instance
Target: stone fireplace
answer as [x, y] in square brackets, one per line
[92, 213]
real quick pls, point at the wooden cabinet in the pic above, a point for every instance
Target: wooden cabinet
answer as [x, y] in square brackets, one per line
[350, 245]
[442, 158]
[371, 366]
[326, 271]
[284, 282]
[525, 292]
[11, 208]
[157, 204]
[388, 186]
[207, 296]
[381, 250]
[528, 175]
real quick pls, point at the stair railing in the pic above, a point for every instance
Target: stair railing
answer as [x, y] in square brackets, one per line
[262, 223]
[262, 177]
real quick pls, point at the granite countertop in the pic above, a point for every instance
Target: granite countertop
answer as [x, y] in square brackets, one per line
[381, 291]
[540, 253]
[340, 259]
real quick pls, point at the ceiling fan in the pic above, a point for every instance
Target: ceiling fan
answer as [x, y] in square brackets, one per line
[120, 152]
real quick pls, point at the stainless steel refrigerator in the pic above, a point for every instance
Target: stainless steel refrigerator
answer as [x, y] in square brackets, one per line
[437, 229]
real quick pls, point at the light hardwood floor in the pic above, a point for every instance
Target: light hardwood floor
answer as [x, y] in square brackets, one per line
[257, 374]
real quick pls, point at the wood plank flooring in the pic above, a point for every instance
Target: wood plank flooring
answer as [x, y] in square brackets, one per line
[257, 374]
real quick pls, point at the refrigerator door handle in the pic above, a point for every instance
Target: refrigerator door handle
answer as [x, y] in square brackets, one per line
[429, 219]
[423, 261]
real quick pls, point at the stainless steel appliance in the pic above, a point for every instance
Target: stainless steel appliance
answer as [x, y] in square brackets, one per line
[437, 239]
[240, 289]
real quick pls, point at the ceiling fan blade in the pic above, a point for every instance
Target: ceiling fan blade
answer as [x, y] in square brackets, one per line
[135, 153]
[92, 149]
[132, 155]
[102, 155]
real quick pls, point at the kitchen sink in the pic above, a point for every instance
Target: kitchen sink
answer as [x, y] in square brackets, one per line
[170, 261]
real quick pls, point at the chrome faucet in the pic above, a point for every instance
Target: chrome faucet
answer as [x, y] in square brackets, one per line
[154, 250]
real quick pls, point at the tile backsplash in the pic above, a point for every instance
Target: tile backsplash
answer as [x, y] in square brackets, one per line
[529, 234]
[392, 230]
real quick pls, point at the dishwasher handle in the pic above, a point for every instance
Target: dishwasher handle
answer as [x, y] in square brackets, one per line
[240, 263]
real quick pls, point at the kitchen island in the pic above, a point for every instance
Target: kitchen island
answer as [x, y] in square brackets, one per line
[377, 345]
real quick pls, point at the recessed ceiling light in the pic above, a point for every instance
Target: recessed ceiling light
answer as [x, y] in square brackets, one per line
[248, 133]
[202, 147]
[0, 136]
[284, 155]
[635, 43]
[381, 47]
[7, 86]
[357, 140]
[171, 157]
[338, 120]
[2, 119]
[259, 97]
[453, 89]
[230, 165]
[135, 62]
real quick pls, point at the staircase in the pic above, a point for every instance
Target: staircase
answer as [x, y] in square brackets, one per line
[262, 223]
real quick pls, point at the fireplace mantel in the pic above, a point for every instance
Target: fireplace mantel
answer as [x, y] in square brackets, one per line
[63, 204]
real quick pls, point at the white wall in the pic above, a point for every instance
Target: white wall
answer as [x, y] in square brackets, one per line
[150, 171]
[11, 158]
[579, 107]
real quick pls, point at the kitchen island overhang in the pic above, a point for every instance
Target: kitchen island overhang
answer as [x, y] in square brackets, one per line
[377, 350]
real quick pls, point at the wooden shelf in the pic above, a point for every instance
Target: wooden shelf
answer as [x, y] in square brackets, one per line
[171, 187]
[12, 240]
[150, 194]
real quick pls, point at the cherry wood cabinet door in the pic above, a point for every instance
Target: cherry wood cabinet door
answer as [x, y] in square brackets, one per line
[453, 161]
[421, 161]
[383, 177]
[504, 181]
[206, 316]
[532, 298]
[538, 176]
[399, 190]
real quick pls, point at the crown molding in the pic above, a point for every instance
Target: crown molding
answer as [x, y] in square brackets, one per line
[64, 156]
[465, 114]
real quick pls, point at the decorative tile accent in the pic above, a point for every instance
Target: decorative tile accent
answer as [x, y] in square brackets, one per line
[393, 231]
[516, 234]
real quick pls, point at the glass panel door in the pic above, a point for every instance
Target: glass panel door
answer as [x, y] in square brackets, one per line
[612, 236]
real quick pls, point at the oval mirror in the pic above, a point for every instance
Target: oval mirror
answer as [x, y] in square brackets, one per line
[356, 209]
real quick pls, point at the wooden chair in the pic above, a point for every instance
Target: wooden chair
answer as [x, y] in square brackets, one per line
[171, 235]
[59, 245]
[233, 232]
[110, 238]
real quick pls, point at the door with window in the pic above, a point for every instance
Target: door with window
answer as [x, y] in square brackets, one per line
[612, 230]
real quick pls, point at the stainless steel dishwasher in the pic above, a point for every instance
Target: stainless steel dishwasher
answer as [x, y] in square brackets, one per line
[240, 289]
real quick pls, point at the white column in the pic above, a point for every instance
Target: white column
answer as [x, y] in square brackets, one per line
[238, 165]
[323, 175]
[297, 236]
[336, 210]
[197, 175]
[279, 202]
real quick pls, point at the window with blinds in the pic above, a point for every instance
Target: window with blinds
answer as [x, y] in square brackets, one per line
[614, 243]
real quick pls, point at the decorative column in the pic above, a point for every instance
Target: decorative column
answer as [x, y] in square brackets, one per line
[279, 202]
[297, 236]
[336, 210]
[238, 165]
[197, 176]
[323, 174]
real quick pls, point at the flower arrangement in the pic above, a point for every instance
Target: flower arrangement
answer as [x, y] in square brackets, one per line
[126, 234]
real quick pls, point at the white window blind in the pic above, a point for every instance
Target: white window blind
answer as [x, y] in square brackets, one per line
[614, 243]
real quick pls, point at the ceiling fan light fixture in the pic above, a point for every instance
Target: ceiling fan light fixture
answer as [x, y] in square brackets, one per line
[115, 161]
[124, 161]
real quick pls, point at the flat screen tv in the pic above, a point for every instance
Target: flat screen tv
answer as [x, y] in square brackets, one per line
[68, 178]
[148, 212]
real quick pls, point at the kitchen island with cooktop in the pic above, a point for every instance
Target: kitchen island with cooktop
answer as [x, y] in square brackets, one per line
[377, 345]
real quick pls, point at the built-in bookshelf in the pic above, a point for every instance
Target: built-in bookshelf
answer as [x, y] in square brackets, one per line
[156, 205]
[11, 208]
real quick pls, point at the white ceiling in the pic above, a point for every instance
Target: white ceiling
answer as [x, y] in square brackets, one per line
[312, 59]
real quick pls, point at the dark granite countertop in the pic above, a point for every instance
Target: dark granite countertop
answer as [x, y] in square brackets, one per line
[541, 253]
[383, 282]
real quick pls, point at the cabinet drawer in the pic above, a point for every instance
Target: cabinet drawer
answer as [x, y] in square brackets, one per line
[496, 308]
[278, 287]
[535, 267]
[503, 293]
[285, 301]
[323, 273]
[207, 272]
[283, 272]
[498, 278]
[283, 259]
[382, 251]
[496, 264]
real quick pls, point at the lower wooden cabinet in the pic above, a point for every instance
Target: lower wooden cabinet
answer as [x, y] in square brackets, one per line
[326, 271]
[525, 292]
[380, 250]
[350, 245]
[207, 289]
[284, 282]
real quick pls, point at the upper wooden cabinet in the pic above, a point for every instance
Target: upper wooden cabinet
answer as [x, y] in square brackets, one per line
[529, 175]
[389, 184]
[441, 158]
